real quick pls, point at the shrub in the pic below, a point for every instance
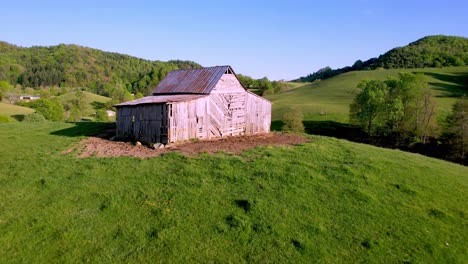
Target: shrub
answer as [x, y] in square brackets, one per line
[34, 117]
[293, 121]
[101, 115]
[50, 109]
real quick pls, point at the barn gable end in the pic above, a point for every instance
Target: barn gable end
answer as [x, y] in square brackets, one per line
[199, 103]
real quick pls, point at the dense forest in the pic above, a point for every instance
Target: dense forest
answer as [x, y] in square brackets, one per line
[105, 73]
[431, 51]
[99, 72]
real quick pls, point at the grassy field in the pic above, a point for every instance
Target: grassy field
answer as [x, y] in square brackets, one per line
[330, 99]
[92, 102]
[14, 110]
[329, 201]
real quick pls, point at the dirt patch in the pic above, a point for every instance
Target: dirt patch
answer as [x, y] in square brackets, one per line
[101, 146]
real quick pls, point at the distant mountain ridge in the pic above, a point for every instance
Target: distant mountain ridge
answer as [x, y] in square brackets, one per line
[76, 66]
[430, 51]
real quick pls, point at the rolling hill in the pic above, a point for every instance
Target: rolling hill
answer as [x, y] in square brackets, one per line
[14, 111]
[330, 99]
[327, 201]
[431, 51]
[77, 66]
[91, 102]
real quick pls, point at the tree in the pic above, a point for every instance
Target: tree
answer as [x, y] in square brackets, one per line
[456, 131]
[292, 120]
[417, 102]
[6, 90]
[139, 95]
[74, 114]
[101, 115]
[369, 104]
[51, 109]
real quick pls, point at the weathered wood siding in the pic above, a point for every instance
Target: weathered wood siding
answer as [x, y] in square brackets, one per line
[188, 120]
[146, 123]
[258, 114]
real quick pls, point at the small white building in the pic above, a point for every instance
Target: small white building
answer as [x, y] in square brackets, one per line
[110, 113]
[29, 97]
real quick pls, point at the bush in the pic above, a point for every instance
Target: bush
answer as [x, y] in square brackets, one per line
[101, 116]
[4, 119]
[34, 117]
[50, 109]
[293, 121]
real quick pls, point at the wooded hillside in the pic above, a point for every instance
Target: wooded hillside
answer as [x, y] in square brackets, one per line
[77, 66]
[431, 51]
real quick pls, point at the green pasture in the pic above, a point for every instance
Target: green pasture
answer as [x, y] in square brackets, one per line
[330, 99]
[327, 201]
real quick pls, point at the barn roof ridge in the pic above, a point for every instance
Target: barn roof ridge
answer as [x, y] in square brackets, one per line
[193, 81]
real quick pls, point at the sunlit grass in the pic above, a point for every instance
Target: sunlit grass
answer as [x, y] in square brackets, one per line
[333, 96]
[325, 201]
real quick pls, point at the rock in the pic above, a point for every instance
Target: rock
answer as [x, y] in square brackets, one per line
[138, 143]
[158, 145]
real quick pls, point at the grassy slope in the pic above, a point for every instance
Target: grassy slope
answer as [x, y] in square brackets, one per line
[12, 110]
[334, 95]
[329, 200]
[91, 101]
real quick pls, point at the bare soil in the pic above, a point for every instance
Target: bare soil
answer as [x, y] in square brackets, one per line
[101, 146]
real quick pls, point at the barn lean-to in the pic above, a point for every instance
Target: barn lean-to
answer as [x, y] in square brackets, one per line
[201, 103]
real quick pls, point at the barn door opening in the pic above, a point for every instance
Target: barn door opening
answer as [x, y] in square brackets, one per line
[164, 128]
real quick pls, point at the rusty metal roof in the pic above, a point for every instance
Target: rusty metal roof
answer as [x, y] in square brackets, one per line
[161, 99]
[192, 81]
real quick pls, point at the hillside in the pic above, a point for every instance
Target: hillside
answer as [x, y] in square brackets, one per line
[431, 51]
[90, 102]
[76, 66]
[327, 201]
[14, 110]
[332, 97]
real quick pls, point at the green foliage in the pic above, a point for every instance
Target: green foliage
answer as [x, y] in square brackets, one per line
[51, 109]
[292, 121]
[263, 86]
[431, 51]
[74, 114]
[101, 116]
[5, 86]
[33, 118]
[403, 105]
[329, 200]
[369, 105]
[75, 66]
[456, 132]
[139, 95]
[329, 100]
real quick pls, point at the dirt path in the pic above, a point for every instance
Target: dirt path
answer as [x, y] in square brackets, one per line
[100, 146]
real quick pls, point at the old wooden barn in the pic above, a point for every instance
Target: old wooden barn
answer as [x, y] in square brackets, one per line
[197, 103]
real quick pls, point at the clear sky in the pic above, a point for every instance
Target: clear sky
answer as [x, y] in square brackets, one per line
[278, 39]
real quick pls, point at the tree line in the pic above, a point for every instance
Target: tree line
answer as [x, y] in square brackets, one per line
[401, 113]
[431, 51]
[104, 73]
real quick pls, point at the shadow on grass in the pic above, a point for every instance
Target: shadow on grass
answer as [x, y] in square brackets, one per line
[335, 129]
[454, 85]
[99, 129]
[19, 118]
[432, 148]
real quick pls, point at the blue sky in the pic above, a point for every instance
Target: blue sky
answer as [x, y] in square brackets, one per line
[277, 39]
